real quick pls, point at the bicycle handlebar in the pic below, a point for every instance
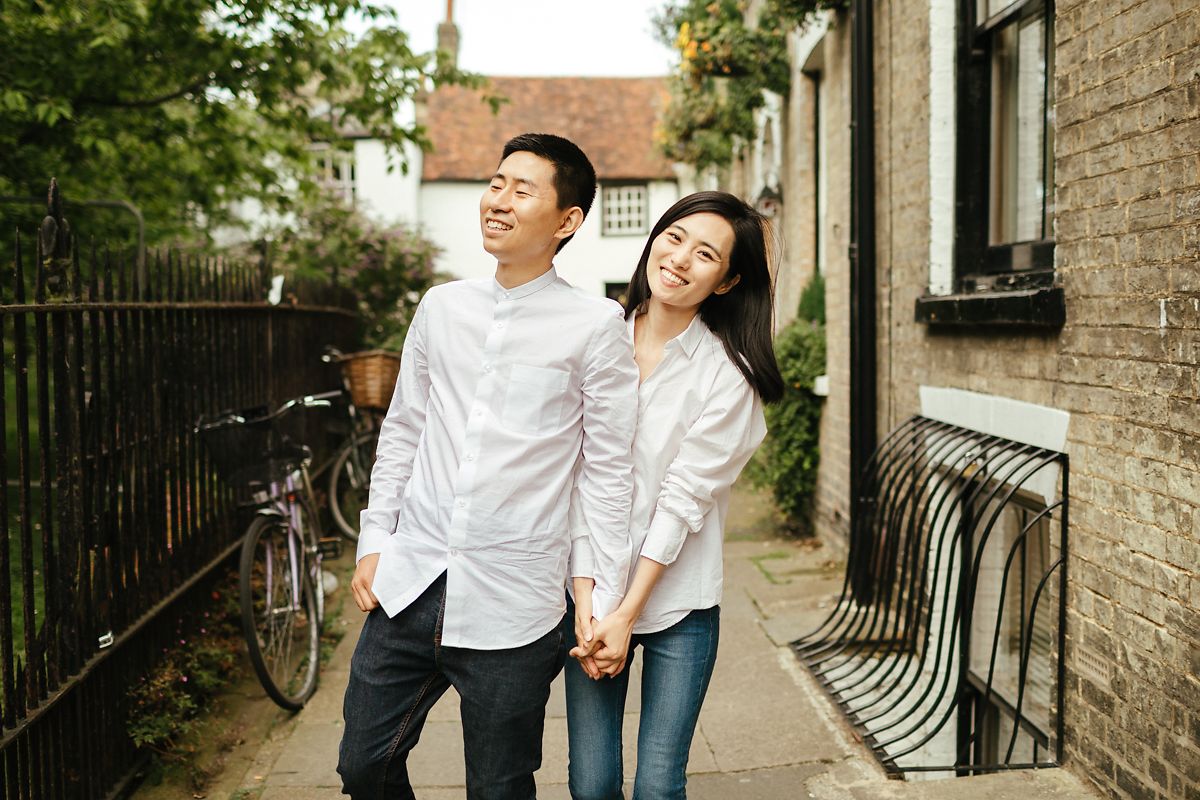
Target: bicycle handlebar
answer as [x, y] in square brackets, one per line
[321, 400]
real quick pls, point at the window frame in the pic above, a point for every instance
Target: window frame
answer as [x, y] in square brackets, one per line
[1023, 263]
[329, 156]
[605, 186]
[1011, 283]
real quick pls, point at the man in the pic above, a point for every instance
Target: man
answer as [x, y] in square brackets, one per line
[508, 388]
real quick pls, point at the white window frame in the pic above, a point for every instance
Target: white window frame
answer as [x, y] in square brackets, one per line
[617, 213]
[337, 171]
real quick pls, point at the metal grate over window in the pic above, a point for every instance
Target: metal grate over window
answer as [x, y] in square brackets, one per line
[945, 647]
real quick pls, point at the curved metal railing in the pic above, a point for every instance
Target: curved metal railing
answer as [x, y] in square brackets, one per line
[945, 646]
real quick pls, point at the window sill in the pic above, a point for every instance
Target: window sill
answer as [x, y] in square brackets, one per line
[1031, 308]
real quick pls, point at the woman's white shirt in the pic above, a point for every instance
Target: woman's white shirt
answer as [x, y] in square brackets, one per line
[699, 421]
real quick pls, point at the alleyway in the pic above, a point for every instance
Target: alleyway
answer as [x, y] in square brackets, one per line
[766, 730]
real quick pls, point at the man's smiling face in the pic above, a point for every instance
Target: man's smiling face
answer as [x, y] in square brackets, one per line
[519, 213]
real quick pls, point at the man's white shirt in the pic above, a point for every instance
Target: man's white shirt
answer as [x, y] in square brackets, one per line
[699, 422]
[501, 394]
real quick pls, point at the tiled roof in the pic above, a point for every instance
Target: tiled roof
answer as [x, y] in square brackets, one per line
[612, 119]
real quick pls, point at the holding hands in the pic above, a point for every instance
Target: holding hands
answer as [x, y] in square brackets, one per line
[601, 647]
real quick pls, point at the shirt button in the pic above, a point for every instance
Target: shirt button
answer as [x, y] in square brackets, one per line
[499, 326]
[470, 456]
[461, 503]
[453, 552]
[478, 412]
[487, 367]
[506, 295]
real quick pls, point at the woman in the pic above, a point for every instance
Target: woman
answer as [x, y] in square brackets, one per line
[699, 309]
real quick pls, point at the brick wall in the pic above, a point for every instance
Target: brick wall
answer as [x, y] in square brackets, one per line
[1125, 366]
[832, 502]
[1128, 161]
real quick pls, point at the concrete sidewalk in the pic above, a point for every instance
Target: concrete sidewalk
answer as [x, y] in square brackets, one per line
[766, 730]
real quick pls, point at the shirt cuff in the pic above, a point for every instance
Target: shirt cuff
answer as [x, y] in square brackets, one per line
[583, 561]
[370, 542]
[604, 603]
[665, 538]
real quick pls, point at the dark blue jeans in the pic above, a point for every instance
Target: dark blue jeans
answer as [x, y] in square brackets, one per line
[677, 664]
[400, 669]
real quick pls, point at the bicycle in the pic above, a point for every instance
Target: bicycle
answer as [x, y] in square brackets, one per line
[350, 471]
[279, 573]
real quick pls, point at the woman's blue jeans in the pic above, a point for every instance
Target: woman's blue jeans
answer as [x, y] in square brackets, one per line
[676, 666]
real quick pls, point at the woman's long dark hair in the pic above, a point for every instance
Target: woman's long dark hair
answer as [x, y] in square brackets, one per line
[741, 318]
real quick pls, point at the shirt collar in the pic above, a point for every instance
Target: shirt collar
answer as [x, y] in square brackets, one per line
[525, 289]
[688, 341]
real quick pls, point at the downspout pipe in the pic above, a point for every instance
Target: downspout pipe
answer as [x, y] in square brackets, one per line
[863, 374]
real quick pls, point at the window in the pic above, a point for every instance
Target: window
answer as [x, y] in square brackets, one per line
[1004, 177]
[617, 291]
[1006, 153]
[335, 171]
[625, 209]
[1018, 671]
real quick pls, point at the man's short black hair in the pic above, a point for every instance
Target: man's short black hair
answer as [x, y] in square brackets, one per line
[574, 176]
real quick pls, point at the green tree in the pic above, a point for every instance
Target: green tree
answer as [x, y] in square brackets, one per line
[181, 106]
[725, 65]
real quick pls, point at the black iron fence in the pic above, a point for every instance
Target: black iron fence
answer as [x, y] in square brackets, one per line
[111, 512]
[945, 647]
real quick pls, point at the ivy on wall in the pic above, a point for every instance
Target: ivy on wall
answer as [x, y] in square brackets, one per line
[725, 65]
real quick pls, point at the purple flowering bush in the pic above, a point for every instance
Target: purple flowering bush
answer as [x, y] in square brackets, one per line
[164, 703]
[388, 266]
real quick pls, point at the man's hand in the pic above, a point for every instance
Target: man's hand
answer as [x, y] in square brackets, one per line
[360, 584]
[613, 633]
[585, 641]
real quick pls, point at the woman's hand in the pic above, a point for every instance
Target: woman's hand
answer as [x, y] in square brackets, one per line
[585, 641]
[613, 634]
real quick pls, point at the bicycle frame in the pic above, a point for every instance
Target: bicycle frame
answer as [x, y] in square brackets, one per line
[282, 504]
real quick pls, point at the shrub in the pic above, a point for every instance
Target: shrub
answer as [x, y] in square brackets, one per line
[164, 703]
[388, 267]
[787, 461]
[812, 300]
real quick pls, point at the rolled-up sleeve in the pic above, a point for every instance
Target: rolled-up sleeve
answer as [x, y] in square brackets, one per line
[604, 487]
[398, 437]
[710, 458]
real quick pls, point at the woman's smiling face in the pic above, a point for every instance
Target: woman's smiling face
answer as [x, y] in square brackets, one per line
[690, 260]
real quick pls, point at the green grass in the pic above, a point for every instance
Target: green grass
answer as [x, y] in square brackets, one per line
[10, 415]
[771, 556]
[17, 589]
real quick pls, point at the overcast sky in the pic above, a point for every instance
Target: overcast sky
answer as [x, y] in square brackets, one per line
[544, 37]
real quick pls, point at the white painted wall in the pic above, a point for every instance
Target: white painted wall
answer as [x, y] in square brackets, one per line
[382, 190]
[942, 15]
[449, 214]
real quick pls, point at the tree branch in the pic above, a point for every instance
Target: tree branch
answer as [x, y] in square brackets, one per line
[148, 102]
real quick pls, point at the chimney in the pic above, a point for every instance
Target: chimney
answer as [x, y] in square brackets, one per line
[447, 36]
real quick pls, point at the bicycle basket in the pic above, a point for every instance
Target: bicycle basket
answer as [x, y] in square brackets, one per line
[372, 377]
[248, 448]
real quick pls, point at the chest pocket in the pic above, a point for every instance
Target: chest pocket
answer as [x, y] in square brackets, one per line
[534, 401]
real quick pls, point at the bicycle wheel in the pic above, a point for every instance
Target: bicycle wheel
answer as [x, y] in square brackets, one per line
[350, 482]
[279, 613]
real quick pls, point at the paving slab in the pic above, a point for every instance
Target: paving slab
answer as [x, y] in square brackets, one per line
[1045, 784]
[310, 757]
[762, 784]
